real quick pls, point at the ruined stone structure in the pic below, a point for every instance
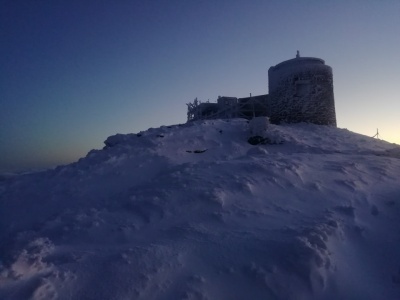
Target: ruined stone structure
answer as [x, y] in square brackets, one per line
[300, 90]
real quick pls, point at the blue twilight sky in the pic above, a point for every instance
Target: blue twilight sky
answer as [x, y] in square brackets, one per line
[74, 72]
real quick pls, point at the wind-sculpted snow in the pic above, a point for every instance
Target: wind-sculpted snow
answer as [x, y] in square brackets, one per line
[195, 212]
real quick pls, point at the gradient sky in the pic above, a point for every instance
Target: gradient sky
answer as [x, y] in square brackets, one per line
[74, 72]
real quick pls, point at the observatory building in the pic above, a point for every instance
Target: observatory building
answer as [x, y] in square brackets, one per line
[300, 90]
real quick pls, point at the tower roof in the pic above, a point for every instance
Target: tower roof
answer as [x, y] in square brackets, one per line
[299, 60]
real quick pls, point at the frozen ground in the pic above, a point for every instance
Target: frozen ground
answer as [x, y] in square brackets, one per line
[195, 212]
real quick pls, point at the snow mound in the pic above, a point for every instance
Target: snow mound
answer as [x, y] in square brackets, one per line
[194, 211]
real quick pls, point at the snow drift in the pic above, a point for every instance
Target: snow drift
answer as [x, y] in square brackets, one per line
[195, 212]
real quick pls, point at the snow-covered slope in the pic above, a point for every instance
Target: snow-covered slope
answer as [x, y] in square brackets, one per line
[195, 212]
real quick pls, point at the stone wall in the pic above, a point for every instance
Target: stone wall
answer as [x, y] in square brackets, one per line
[301, 90]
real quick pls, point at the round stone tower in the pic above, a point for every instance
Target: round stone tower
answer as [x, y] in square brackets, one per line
[301, 90]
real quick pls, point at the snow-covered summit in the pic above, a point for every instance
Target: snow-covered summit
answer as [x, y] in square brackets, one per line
[194, 211]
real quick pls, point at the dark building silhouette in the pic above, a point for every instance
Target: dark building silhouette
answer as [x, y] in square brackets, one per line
[300, 90]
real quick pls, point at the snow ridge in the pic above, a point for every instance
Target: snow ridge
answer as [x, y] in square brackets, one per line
[193, 211]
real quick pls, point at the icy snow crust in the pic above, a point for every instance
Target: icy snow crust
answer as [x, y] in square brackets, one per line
[316, 215]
